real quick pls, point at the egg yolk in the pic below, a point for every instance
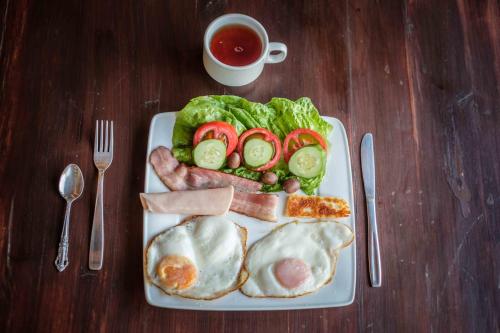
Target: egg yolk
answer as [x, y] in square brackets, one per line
[291, 273]
[176, 272]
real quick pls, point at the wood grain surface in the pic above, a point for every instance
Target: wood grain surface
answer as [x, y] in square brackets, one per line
[423, 76]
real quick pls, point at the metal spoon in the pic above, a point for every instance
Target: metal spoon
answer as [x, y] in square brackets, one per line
[70, 187]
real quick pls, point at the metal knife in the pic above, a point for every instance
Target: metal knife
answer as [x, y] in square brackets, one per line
[368, 168]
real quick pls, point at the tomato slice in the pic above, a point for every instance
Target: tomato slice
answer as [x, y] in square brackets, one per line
[219, 130]
[299, 138]
[265, 135]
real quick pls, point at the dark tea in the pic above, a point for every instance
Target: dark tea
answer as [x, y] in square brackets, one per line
[236, 45]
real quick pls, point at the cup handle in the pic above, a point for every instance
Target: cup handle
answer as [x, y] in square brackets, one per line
[276, 58]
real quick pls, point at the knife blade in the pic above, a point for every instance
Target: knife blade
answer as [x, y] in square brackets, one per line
[368, 170]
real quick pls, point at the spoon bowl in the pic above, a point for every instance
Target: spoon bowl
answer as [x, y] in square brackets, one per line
[71, 183]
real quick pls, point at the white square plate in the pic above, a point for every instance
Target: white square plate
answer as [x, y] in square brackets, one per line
[337, 182]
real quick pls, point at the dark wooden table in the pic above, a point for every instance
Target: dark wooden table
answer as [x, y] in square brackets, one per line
[423, 76]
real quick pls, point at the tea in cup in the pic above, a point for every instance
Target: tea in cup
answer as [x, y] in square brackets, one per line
[235, 49]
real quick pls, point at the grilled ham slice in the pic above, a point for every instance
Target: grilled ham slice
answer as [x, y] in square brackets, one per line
[179, 177]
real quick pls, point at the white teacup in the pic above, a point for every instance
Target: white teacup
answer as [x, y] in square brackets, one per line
[240, 75]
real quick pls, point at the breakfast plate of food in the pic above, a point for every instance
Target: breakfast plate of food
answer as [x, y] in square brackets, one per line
[248, 206]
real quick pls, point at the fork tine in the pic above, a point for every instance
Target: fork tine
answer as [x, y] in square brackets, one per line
[111, 140]
[101, 138]
[106, 142]
[96, 139]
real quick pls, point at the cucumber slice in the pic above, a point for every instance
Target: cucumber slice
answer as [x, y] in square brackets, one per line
[257, 152]
[307, 162]
[210, 154]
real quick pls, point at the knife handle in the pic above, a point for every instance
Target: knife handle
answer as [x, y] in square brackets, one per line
[373, 245]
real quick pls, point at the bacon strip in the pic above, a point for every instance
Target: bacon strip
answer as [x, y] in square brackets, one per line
[205, 178]
[169, 170]
[259, 205]
[179, 177]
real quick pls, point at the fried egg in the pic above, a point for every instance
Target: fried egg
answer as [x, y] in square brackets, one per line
[295, 259]
[201, 258]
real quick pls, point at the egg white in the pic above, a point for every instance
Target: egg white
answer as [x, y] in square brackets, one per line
[316, 243]
[215, 245]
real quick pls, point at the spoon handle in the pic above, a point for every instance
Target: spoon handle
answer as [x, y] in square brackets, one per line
[62, 254]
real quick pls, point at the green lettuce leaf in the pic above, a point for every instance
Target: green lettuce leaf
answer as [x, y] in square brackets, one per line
[280, 116]
[291, 115]
[309, 185]
[198, 111]
[243, 172]
[183, 154]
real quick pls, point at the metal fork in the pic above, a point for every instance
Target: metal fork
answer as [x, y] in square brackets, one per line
[103, 156]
